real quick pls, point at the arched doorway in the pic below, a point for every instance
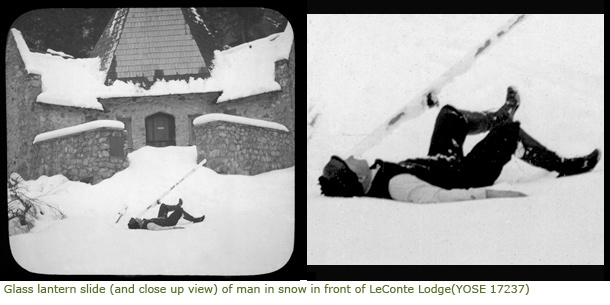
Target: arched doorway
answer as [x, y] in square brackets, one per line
[160, 130]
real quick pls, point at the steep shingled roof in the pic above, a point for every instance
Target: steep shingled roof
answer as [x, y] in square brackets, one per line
[149, 42]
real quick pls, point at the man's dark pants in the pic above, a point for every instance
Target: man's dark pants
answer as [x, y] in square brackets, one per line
[165, 221]
[483, 165]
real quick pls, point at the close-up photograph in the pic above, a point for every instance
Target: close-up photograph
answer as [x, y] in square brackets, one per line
[150, 142]
[455, 140]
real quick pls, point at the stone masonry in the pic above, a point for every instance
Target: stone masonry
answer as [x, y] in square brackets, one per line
[27, 118]
[233, 148]
[89, 156]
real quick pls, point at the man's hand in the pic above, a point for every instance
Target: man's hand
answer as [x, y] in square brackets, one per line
[431, 99]
[503, 194]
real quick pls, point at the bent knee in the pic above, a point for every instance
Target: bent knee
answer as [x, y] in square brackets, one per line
[449, 110]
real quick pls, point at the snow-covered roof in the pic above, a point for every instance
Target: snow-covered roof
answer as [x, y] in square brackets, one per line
[249, 68]
[244, 70]
[206, 118]
[67, 82]
[78, 129]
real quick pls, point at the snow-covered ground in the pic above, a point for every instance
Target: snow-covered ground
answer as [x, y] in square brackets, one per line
[366, 67]
[248, 229]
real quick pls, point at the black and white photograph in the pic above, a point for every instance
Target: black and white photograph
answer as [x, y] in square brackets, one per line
[151, 141]
[455, 139]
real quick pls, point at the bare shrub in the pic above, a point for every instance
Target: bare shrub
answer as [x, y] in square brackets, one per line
[23, 210]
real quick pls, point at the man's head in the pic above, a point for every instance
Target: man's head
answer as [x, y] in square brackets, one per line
[345, 178]
[134, 223]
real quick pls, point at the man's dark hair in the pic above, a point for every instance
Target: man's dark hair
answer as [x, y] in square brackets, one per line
[133, 224]
[338, 180]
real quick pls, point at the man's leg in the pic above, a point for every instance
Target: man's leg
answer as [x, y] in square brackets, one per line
[174, 217]
[172, 220]
[488, 157]
[453, 125]
[485, 161]
[479, 122]
[190, 218]
[165, 221]
[163, 209]
[443, 167]
[534, 153]
[449, 133]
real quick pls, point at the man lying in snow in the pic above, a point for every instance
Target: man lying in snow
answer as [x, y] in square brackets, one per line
[163, 222]
[446, 174]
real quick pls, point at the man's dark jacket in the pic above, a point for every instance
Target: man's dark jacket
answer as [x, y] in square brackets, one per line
[443, 172]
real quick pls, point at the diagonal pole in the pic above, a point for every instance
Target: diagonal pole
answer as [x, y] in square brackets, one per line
[122, 212]
[417, 105]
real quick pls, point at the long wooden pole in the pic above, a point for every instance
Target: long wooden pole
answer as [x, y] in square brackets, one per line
[122, 212]
[417, 105]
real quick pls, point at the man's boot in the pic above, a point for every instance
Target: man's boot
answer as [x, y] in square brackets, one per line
[536, 154]
[190, 218]
[574, 166]
[507, 111]
[479, 122]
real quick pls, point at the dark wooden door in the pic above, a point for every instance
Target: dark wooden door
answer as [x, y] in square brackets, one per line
[160, 130]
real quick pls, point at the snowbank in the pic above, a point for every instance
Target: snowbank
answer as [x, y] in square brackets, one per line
[206, 118]
[245, 70]
[556, 62]
[248, 229]
[78, 129]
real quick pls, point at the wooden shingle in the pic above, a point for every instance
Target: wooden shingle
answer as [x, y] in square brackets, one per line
[138, 41]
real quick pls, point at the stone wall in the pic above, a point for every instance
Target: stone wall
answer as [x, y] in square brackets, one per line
[136, 109]
[21, 126]
[277, 106]
[232, 148]
[27, 118]
[89, 156]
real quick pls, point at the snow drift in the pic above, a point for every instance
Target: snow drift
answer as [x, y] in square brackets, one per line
[357, 76]
[248, 229]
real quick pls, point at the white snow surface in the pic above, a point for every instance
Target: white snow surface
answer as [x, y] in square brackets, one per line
[68, 82]
[358, 76]
[244, 70]
[233, 69]
[206, 118]
[248, 229]
[58, 53]
[78, 129]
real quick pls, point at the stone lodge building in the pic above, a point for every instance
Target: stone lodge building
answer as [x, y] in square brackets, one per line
[149, 48]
